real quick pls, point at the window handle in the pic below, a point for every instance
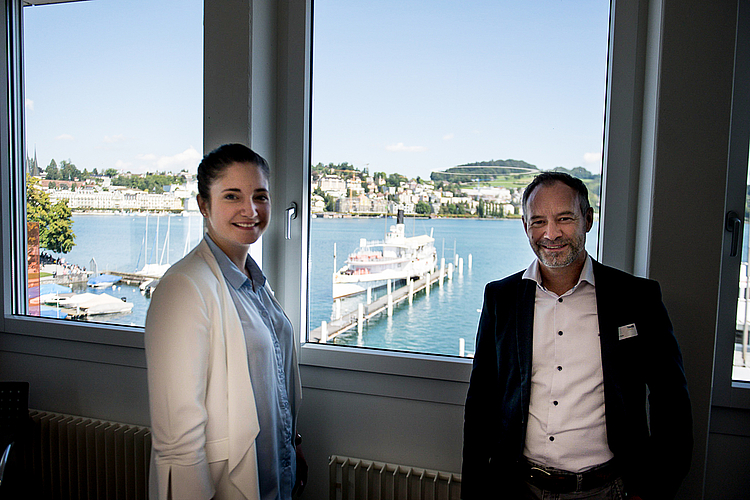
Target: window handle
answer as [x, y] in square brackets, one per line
[291, 214]
[734, 226]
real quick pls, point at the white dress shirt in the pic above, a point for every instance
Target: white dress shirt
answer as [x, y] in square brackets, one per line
[566, 426]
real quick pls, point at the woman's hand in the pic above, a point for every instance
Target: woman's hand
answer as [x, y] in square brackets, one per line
[301, 481]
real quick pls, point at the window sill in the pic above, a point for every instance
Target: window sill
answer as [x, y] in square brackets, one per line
[413, 376]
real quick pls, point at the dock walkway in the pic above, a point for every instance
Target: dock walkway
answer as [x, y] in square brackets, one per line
[347, 321]
[133, 278]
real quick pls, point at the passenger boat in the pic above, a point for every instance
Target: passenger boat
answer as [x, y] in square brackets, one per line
[397, 258]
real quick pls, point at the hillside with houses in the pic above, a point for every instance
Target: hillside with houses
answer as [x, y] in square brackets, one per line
[482, 189]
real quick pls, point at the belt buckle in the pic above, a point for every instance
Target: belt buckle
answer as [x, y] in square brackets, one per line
[558, 483]
[539, 469]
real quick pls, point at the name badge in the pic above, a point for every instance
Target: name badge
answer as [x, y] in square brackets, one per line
[627, 331]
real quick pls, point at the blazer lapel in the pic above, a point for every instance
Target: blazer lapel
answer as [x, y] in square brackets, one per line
[607, 305]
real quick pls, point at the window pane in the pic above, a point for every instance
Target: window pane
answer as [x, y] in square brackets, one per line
[113, 130]
[444, 110]
[741, 364]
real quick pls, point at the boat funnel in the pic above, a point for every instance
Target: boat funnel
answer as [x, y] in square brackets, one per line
[400, 216]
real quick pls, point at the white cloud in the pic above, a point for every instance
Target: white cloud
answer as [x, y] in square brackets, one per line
[29, 104]
[401, 147]
[64, 137]
[592, 158]
[448, 137]
[148, 162]
[114, 138]
[187, 160]
[122, 165]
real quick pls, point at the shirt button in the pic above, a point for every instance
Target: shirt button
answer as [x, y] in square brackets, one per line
[560, 332]
[560, 299]
[555, 403]
[559, 368]
[552, 438]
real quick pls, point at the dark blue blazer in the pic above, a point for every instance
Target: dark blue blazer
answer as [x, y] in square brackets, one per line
[647, 407]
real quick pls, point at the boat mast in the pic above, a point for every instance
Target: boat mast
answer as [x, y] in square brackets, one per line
[166, 243]
[187, 238]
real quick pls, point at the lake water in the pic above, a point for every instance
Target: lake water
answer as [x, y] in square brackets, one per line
[434, 323]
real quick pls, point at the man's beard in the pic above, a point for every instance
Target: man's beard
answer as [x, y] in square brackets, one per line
[557, 260]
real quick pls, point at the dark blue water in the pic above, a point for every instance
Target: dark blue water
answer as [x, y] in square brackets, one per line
[432, 324]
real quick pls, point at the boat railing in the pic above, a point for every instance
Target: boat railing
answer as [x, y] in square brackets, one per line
[371, 243]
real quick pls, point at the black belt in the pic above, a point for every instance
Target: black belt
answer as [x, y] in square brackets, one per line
[557, 481]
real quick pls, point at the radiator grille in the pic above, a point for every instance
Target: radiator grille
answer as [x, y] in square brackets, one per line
[72, 457]
[358, 479]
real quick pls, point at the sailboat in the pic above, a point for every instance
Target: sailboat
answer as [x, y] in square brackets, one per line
[155, 270]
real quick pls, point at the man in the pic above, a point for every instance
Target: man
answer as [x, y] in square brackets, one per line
[577, 389]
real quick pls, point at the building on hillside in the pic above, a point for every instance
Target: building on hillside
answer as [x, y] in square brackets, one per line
[332, 185]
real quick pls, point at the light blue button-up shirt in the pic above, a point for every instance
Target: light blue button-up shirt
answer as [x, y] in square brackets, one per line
[269, 337]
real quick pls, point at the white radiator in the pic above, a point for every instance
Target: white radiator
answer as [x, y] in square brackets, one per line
[82, 458]
[357, 479]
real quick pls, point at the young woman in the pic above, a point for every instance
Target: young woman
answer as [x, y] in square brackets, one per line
[223, 380]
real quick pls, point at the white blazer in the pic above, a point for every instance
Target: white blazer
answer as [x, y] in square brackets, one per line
[203, 416]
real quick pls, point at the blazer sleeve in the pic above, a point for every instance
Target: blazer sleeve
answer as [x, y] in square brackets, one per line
[479, 409]
[177, 354]
[670, 416]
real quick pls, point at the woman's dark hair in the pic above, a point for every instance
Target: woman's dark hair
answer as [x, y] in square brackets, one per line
[214, 163]
[549, 178]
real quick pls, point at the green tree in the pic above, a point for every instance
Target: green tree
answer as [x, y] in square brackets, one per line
[55, 221]
[110, 172]
[422, 207]
[52, 172]
[395, 180]
[69, 171]
[330, 204]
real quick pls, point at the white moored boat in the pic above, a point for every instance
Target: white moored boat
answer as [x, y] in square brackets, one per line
[90, 304]
[398, 257]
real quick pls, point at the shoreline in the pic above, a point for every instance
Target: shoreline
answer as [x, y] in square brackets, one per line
[184, 213]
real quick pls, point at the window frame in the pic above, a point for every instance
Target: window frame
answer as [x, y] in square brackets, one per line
[728, 392]
[276, 122]
[622, 123]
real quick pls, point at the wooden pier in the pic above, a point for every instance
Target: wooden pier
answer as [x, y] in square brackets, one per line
[329, 330]
[132, 278]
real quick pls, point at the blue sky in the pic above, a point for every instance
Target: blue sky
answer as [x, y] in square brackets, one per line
[397, 87]
[413, 89]
[115, 84]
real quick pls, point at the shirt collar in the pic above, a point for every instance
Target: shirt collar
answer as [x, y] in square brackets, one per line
[232, 273]
[587, 273]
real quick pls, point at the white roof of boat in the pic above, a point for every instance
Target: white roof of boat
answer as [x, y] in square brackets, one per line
[97, 303]
[421, 240]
